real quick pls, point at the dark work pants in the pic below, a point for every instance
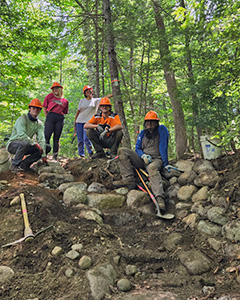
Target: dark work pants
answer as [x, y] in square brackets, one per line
[112, 142]
[22, 148]
[53, 125]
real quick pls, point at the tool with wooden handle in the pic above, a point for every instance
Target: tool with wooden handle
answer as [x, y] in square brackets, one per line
[28, 234]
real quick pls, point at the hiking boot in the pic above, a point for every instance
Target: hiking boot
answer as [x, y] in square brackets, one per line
[130, 183]
[99, 154]
[161, 203]
[15, 168]
[55, 155]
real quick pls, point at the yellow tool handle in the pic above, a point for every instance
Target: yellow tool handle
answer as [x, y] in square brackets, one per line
[24, 211]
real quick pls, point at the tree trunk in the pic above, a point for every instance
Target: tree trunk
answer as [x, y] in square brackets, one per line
[178, 116]
[97, 52]
[118, 104]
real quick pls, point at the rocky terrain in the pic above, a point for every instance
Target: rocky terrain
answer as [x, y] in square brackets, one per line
[91, 241]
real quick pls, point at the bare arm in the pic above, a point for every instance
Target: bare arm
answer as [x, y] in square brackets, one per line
[108, 96]
[77, 113]
[90, 126]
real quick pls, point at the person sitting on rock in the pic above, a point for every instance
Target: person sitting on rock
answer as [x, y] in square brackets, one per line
[104, 130]
[151, 153]
[22, 143]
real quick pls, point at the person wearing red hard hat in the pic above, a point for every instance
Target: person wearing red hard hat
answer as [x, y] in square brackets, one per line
[151, 153]
[87, 107]
[54, 107]
[22, 142]
[104, 130]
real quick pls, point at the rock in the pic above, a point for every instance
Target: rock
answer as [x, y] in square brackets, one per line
[200, 209]
[195, 262]
[185, 192]
[136, 199]
[77, 247]
[209, 178]
[72, 254]
[91, 215]
[183, 205]
[219, 200]
[214, 243]
[69, 272]
[53, 167]
[231, 230]
[56, 251]
[186, 177]
[203, 166]
[105, 201]
[184, 165]
[54, 180]
[100, 278]
[5, 160]
[173, 180]
[96, 187]
[131, 270]
[172, 191]
[217, 215]
[124, 285]
[85, 262]
[205, 227]
[6, 274]
[82, 185]
[116, 260]
[74, 195]
[200, 195]
[172, 241]
[191, 220]
[121, 191]
[207, 290]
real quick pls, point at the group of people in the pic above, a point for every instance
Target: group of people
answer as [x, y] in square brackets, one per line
[96, 125]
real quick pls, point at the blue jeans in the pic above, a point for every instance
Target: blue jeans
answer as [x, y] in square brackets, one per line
[83, 139]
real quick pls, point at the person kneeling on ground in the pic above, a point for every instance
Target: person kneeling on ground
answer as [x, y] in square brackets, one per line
[104, 130]
[21, 141]
[151, 153]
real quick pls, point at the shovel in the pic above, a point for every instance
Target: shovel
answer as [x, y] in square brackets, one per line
[166, 216]
[28, 234]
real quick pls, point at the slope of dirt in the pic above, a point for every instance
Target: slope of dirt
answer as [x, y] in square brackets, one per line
[137, 238]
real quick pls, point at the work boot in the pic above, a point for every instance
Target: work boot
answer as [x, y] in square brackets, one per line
[16, 169]
[130, 183]
[161, 203]
[55, 155]
[99, 154]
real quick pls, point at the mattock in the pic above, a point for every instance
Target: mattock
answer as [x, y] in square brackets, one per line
[28, 234]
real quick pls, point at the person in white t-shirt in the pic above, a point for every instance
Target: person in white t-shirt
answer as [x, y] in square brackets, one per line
[87, 107]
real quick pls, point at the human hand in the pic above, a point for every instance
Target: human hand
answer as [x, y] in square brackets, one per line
[45, 162]
[39, 148]
[169, 168]
[102, 135]
[100, 128]
[146, 158]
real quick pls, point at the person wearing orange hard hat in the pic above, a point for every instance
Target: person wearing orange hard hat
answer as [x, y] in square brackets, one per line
[151, 153]
[104, 130]
[54, 107]
[87, 107]
[22, 142]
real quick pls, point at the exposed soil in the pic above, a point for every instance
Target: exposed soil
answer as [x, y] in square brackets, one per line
[137, 238]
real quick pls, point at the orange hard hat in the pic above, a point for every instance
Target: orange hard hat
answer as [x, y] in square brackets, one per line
[151, 116]
[86, 87]
[56, 84]
[105, 101]
[36, 103]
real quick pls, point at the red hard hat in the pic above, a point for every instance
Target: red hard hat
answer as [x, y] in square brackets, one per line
[151, 115]
[86, 87]
[105, 101]
[36, 103]
[56, 84]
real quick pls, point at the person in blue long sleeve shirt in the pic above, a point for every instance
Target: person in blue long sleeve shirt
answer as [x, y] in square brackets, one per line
[151, 153]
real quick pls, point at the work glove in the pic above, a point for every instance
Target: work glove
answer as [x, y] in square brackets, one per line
[100, 128]
[169, 168]
[146, 158]
[39, 148]
[103, 134]
[45, 162]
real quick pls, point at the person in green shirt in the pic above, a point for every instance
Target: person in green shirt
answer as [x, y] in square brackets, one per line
[27, 140]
